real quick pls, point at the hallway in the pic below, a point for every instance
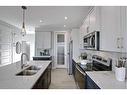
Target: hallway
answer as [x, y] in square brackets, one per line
[61, 80]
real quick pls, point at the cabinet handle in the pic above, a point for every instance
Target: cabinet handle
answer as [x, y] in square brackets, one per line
[122, 42]
[118, 39]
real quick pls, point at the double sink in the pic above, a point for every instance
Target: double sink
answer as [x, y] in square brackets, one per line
[29, 71]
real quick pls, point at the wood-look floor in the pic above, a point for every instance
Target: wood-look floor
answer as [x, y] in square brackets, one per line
[61, 80]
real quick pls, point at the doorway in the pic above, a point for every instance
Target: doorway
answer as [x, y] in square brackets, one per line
[60, 50]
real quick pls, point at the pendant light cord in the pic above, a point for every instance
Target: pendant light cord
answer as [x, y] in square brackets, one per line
[23, 19]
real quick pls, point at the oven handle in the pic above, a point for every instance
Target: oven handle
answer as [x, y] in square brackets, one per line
[81, 71]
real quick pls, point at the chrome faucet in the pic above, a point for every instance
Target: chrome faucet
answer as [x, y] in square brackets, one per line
[22, 65]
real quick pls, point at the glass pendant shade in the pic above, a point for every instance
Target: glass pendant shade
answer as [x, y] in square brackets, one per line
[23, 32]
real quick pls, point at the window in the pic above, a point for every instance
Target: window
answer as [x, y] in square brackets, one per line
[60, 38]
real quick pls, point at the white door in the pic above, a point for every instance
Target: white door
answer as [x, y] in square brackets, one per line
[60, 46]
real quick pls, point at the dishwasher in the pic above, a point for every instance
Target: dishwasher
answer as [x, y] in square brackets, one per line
[80, 77]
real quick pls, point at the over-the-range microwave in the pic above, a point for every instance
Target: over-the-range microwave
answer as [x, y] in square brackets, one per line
[92, 40]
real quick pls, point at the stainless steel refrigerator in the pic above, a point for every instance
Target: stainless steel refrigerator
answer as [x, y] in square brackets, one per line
[70, 55]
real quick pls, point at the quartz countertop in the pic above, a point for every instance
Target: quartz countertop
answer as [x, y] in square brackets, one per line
[77, 60]
[9, 80]
[106, 80]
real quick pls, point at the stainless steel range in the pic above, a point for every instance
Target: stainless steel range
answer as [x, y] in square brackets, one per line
[98, 64]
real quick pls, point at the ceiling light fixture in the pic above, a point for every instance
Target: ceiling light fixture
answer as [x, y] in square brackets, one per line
[23, 32]
[65, 18]
[40, 20]
[64, 25]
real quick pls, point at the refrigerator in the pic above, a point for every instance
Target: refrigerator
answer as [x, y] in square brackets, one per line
[70, 55]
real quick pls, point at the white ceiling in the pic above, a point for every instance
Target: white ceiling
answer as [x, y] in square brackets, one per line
[52, 17]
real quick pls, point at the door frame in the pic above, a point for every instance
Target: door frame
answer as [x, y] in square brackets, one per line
[55, 49]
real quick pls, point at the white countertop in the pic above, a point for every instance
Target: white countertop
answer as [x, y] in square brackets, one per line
[9, 80]
[106, 80]
[77, 60]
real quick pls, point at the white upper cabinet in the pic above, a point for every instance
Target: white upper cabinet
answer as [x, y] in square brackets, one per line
[124, 29]
[90, 24]
[47, 40]
[42, 41]
[111, 30]
[92, 20]
[81, 37]
[94, 17]
[111, 22]
[39, 40]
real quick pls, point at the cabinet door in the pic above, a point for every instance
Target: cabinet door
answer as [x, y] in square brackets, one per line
[49, 74]
[38, 43]
[92, 18]
[87, 25]
[81, 35]
[39, 39]
[90, 84]
[47, 40]
[110, 28]
[44, 80]
[123, 35]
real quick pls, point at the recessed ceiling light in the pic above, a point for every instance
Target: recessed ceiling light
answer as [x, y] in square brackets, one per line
[64, 25]
[65, 17]
[40, 20]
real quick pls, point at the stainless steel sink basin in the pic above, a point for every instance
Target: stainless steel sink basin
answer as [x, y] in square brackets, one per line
[33, 68]
[27, 73]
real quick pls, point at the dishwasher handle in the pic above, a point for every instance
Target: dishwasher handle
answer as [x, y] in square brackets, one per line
[83, 73]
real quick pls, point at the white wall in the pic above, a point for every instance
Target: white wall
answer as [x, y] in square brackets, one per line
[10, 35]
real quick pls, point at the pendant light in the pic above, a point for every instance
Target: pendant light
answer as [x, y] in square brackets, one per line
[23, 32]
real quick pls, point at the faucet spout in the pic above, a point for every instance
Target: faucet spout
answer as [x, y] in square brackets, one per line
[22, 64]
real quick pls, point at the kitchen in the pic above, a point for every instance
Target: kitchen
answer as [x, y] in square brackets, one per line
[63, 47]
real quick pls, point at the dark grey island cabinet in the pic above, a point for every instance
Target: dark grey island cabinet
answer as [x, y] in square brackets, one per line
[90, 84]
[45, 79]
[42, 58]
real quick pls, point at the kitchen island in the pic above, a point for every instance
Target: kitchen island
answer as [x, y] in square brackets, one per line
[9, 80]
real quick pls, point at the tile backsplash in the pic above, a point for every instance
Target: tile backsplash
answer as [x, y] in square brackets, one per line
[106, 54]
